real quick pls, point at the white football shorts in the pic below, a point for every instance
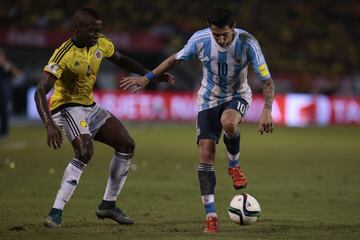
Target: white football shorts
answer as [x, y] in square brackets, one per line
[78, 120]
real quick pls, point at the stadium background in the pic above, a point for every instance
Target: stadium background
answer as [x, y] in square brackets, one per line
[310, 47]
[306, 179]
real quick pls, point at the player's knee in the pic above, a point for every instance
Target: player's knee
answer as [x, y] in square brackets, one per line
[130, 145]
[127, 146]
[85, 152]
[229, 127]
[85, 155]
[207, 157]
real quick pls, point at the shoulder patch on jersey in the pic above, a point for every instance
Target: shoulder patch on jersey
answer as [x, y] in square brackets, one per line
[53, 67]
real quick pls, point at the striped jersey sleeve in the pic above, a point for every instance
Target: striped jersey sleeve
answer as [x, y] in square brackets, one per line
[189, 51]
[57, 62]
[256, 59]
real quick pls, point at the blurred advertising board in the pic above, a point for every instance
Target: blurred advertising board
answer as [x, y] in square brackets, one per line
[298, 110]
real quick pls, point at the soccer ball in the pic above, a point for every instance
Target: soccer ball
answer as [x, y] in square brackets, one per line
[244, 209]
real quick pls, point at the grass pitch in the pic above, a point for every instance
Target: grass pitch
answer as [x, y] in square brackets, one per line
[306, 180]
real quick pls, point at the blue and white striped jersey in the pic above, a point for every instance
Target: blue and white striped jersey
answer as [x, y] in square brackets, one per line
[224, 69]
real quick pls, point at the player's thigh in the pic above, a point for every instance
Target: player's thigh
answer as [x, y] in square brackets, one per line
[72, 121]
[208, 125]
[234, 111]
[114, 134]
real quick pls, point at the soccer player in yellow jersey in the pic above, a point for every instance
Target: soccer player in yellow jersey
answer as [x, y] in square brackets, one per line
[72, 72]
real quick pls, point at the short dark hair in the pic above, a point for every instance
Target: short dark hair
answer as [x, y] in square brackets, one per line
[90, 12]
[221, 17]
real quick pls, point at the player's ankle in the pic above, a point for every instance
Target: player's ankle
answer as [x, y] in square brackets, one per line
[55, 211]
[107, 204]
[212, 214]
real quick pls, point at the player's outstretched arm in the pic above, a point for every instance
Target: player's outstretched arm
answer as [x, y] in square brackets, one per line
[131, 65]
[265, 122]
[127, 63]
[46, 83]
[158, 74]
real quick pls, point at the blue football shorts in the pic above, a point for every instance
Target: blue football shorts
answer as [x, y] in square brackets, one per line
[208, 122]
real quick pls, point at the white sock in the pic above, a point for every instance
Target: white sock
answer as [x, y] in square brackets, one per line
[233, 157]
[206, 199]
[119, 167]
[69, 182]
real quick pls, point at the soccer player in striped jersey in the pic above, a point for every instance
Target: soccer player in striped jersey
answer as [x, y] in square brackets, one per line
[223, 98]
[72, 72]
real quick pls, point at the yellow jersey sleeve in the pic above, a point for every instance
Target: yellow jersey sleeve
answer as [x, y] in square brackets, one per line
[107, 46]
[57, 62]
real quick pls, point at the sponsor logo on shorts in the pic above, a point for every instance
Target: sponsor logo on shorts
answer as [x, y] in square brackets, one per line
[83, 123]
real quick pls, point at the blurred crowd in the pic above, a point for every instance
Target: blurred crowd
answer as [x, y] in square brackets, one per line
[314, 42]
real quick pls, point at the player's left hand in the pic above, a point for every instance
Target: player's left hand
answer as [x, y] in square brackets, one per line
[265, 122]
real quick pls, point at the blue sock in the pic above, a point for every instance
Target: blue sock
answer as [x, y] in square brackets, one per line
[233, 163]
[209, 208]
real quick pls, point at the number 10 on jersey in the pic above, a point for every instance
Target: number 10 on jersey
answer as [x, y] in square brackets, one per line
[222, 69]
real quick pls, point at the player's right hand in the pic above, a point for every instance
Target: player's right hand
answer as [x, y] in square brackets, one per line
[54, 136]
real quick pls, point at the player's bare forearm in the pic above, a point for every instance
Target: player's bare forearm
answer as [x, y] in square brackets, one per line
[166, 65]
[128, 63]
[54, 137]
[265, 122]
[269, 92]
[44, 86]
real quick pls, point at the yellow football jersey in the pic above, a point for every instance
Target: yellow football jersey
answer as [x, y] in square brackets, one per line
[76, 70]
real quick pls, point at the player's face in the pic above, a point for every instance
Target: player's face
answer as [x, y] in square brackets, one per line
[222, 35]
[88, 31]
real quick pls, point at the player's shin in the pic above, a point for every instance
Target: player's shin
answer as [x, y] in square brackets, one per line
[118, 169]
[69, 182]
[232, 143]
[207, 181]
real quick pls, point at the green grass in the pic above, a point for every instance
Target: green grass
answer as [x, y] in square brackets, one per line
[306, 180]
